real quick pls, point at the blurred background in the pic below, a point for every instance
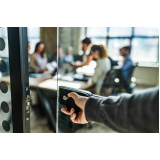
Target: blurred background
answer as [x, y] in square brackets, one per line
[144, 42]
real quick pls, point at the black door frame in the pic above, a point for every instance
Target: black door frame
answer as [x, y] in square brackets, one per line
[19, 79]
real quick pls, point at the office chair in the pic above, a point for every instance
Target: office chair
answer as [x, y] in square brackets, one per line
[118, 83]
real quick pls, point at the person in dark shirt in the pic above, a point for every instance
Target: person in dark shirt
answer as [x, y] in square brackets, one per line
[127, 64]
[137, 112]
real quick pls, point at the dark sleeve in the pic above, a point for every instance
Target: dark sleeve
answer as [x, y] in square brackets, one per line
[127, 113]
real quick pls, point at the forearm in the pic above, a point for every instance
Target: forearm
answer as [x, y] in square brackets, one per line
[128, 113]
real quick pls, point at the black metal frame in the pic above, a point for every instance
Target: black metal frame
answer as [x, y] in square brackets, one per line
[19, 78]
[130, 38]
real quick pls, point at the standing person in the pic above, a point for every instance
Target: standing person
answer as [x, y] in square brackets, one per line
[68, 57]
[127, 63]
[39, 58]
[126, 113]
[103, 66]
[86, 57]
[85, 43]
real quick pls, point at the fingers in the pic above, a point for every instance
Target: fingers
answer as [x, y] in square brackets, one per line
[73, 115]
[73, 95]
[65, 111]
[74, 118]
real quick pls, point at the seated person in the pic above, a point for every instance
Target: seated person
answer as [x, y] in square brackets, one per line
[103, 66]
[38, 59]
[127, 64]
[68, 57]
[86, 56]
[60, 56]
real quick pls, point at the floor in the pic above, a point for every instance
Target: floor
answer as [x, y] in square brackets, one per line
[39, 124]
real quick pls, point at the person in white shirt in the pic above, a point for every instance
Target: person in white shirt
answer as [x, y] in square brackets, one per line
[102, 68]
[85, 52]
[68, 57]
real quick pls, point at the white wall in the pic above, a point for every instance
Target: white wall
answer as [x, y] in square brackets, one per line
[147, 76]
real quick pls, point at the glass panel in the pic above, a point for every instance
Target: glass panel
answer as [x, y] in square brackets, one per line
[43, 87]
[5, 92]
[96, 31]
[120, 31]
[124, 76]
[145, 50]
[77, 76]
[114, 45]
[146, 31]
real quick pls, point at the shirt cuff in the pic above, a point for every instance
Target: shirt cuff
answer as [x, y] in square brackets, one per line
[91, 109]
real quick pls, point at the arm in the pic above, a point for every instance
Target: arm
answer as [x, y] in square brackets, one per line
[127, 113]
[32, 63]
[89, 59]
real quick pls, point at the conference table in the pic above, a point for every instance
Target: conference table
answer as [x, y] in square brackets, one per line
[47, 85]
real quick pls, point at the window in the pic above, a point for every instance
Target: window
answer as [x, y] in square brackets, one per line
[120, 31]
[97, 31]
[33, 37]
[114, 45]
[144, 41]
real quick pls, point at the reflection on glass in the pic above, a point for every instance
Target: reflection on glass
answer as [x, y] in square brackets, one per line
[146, 31]
[96, 31]
[120, 31]
[114, 45]
[144, 50]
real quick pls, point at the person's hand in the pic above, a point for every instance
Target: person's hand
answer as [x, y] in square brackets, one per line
[72, 64]
[80, 101]
[42, 70]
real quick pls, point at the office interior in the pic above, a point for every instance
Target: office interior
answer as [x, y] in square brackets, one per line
[46, 116]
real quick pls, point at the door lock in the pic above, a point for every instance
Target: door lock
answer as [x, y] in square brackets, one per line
[28, 104]
[65, 98]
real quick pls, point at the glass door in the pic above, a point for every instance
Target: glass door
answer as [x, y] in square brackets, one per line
[70, 77]
[14, 83]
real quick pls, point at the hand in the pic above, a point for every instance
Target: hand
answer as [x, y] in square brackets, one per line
[80, 101]
[72, 64]
[42, 70]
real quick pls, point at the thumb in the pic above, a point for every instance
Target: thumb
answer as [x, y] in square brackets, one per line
[77, 100]
[73, 95]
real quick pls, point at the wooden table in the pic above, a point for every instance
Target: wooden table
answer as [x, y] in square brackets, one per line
[51, 84]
